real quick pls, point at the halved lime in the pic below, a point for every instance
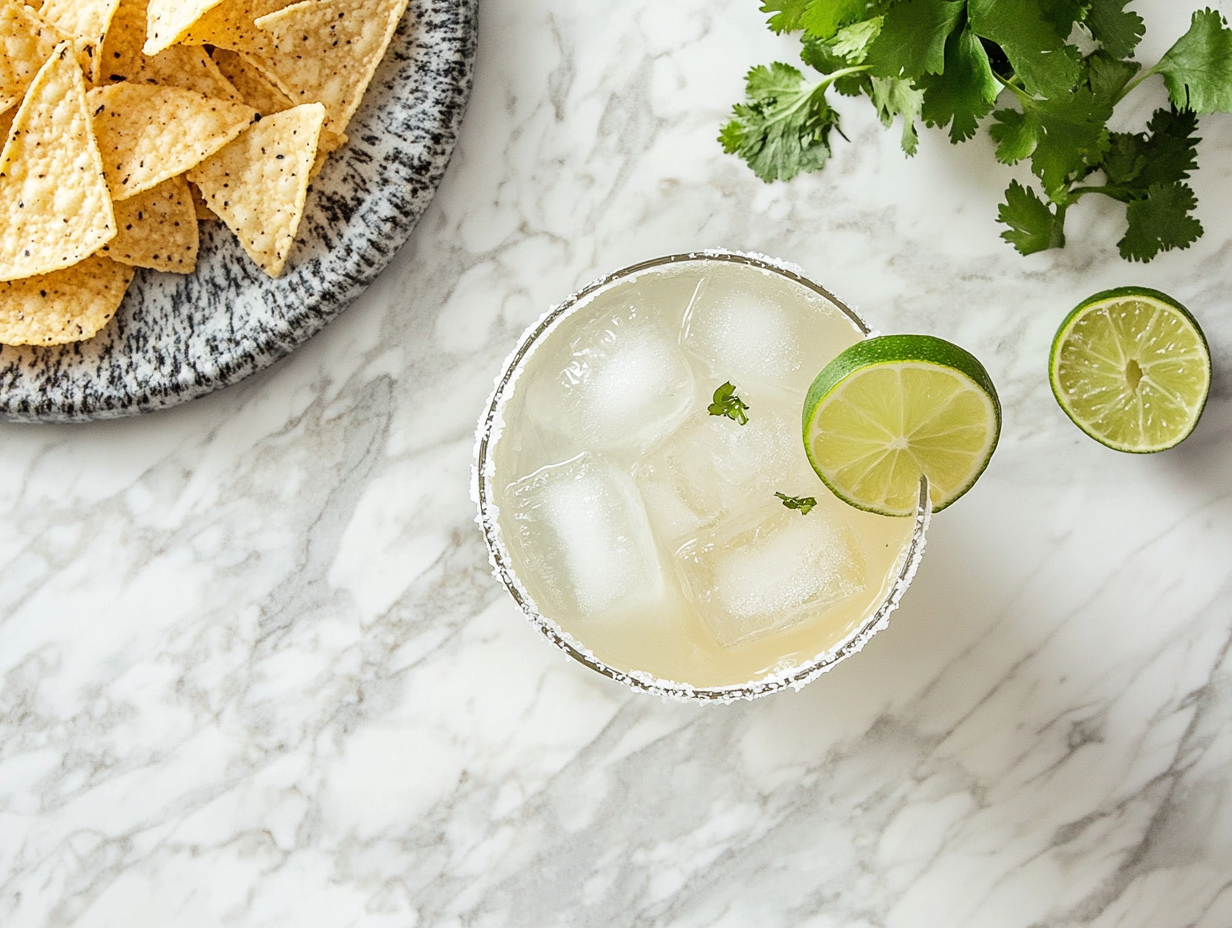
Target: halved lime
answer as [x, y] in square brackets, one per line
[891, 408]
[1132, 368]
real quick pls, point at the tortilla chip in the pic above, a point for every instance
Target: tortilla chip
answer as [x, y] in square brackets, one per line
[85, 19]
[258, 183]
[188, 67]
[232, 24]
[204, 213]
[330, 143]
[26, 42]
[328, 50]
[263, 95]
[54, 206]
[64, 306]
[148, 133]
[120, 58]
[157, 229]
[168, 20]
[6, 123]
[257, 90]
[119, 55]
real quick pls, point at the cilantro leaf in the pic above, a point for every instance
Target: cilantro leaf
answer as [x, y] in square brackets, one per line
[1063, 136]
[821, 56]
[1171, 149]
[1160, 222]
[962, 94]
[1062, 14]
[912, 38]
[898, 98]
[1116, 30]
[787, 14]
[823, 18]
[804, 503]
[852, 42]
[1032, 225]
[1167, 155]
[1014, 135]
[1198, 68]
[726, 403]
[1036, 49]
[784, 128]
[1107, 76]
[846, 49]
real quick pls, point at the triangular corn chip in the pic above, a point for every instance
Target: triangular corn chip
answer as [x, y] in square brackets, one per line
[148, 133]
[258, 183]
[232, 24]
[327, 51]
[330, 143]
[204, 213]
[257, 90]
[64, 306]
[83, 19]
[54, 206]
[190, 68]
[26, 42]
[263, 95]
[168, 20]
[157, 229]
[120, 58]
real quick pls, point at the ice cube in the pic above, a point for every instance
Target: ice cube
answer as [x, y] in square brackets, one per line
[768, 570]
[712, 466]
[581, 533]
[620, 381]
[752, 326]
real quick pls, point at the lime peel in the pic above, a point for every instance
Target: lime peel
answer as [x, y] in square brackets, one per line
[893, 408]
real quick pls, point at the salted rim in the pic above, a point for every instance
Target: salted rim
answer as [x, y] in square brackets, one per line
[492, 424]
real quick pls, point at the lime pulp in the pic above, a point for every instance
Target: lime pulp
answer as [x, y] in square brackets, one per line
[893, 408]
[1132, 369]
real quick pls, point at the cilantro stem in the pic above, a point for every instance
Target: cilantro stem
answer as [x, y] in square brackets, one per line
[1021, 94]
[1117, 193]
[843, 72]
[1134, 83]
[1057, 237]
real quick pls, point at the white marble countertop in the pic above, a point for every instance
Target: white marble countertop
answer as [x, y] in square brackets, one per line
[254, 672]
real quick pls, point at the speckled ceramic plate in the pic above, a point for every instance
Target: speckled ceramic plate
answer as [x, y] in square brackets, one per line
[176, 338]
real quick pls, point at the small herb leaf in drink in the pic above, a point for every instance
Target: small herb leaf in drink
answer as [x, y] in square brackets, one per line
[727, 403]
[803, 503]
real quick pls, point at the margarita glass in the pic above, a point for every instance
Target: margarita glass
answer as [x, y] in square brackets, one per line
[649, 536]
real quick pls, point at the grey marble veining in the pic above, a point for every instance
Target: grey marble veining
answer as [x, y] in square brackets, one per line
[254, 670]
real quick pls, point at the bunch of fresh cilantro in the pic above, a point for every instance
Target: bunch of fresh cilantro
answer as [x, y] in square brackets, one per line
[1062, 65]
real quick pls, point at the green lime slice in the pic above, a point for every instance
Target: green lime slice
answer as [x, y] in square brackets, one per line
[1132, 368]
[891, 408]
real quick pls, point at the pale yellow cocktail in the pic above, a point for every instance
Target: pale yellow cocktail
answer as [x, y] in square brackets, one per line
[648, 536]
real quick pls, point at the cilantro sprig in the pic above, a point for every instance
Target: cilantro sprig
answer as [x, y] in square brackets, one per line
[804, 504]
[1015, 66]
[727, 403]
